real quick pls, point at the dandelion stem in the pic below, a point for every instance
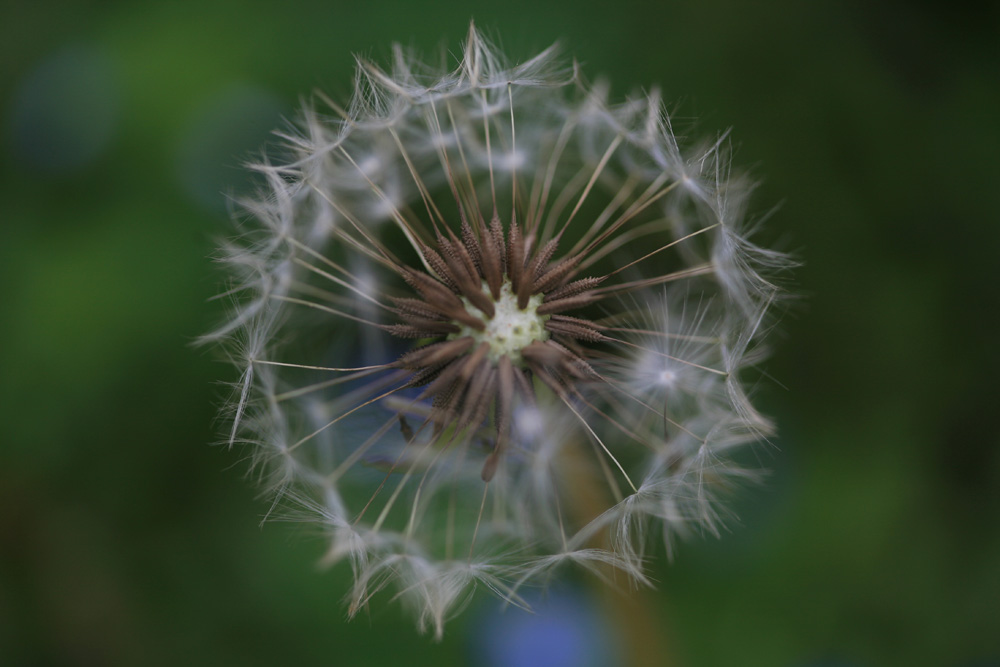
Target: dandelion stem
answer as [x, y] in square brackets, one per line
[597, 438]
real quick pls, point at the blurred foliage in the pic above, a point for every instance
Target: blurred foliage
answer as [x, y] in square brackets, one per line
[125, 538]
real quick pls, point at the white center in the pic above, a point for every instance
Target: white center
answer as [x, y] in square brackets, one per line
[511, 329]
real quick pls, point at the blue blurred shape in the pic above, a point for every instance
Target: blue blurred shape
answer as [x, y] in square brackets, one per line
[63, 114]
[565, 629]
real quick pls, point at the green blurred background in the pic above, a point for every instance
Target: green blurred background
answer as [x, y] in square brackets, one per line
[127, 539]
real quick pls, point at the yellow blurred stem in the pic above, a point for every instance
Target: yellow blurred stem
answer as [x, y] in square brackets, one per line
[644, 633]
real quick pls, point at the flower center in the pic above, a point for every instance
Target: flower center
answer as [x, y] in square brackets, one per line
[511, 329]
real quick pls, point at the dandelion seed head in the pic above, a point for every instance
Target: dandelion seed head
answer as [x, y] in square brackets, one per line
[490, 324]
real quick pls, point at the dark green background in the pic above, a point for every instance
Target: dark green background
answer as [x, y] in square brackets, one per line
[125, 538]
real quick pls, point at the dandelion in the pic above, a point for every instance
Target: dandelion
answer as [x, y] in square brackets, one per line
[490, 324]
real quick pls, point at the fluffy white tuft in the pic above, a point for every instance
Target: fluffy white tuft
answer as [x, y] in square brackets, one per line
[640, 449]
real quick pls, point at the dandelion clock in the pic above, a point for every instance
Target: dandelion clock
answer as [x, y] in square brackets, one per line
[491, 325]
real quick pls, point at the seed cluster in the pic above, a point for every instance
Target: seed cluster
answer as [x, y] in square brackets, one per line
[581, 299]
[471, 369]
[511, 329]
